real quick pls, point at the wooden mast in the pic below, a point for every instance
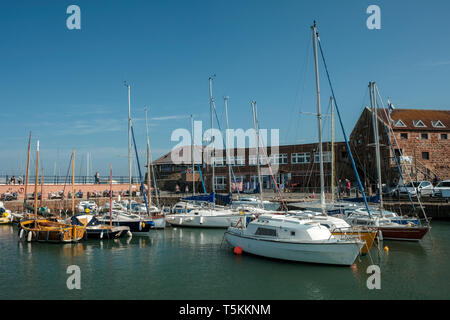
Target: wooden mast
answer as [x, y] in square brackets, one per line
[36, 182]
[28, 164]
[73, 182]
[42, 187]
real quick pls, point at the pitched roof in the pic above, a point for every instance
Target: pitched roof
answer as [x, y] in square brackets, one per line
[182, 153]
[412, 117]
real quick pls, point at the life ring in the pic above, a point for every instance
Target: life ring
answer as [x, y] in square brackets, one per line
[21, 190]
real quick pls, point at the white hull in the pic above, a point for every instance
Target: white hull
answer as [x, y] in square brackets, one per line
[160, 223]
[199, 221]
[337, 253]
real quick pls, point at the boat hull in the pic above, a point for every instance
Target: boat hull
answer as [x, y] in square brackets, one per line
[403, 233]
[367, 236]
[338, 253]
[106, 232]
[50, 231]
[194, 221]
[142, 226]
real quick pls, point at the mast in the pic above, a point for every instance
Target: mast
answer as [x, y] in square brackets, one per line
[28, 164]
[255, 123]
[192, 155]
[319, 118]
[373, 104]
[213, 155]
[73, 181]
[333, 159]
[110, 198]
[36, 182]
[129, 148]
[149, 179]
[42, 187]
[226, 147]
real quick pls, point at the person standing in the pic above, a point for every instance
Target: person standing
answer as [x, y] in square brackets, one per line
[97, 178]
[348, 187]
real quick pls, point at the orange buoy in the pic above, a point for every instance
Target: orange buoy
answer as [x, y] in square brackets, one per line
[386, 248]
[237, 250]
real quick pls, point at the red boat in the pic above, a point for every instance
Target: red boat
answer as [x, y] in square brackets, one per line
[403, 233]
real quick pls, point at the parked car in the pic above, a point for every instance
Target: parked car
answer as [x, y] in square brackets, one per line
[424, 188]
[442, 189]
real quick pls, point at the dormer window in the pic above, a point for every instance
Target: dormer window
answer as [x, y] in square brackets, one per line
[399, 123]
[437, 124]
[419, 124]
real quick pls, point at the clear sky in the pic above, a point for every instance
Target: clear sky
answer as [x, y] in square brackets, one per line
[67, 86]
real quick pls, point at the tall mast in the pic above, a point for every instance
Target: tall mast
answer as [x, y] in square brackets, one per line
[110, 198]
[28, 164]
[73, 181]
[36, 182]
[149, 181]
[42, 187]
[213, 155]
[226, 147]
[255, 123]
[192, 155]
[373, 104]
[129, 148]
[333, 159]
[319, 118]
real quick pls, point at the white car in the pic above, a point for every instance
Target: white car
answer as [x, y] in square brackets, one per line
[424, 188]
[442, 189]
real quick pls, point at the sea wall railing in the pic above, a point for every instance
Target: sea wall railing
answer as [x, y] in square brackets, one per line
[6, 180]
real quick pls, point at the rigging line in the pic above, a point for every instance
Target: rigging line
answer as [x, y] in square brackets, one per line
[231, 166]
[343, 131]
[305, 69]
[395, 138]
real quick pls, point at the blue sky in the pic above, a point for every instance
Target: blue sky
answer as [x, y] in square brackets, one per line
[66, 86]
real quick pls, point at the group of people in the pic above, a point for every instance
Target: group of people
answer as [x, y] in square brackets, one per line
[12, 180]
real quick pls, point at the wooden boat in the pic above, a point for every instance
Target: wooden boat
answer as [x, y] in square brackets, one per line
[44, 230]
[96, 230]
[367, 235]
[405, 233]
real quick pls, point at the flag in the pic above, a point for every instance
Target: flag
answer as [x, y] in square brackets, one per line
[390, 106]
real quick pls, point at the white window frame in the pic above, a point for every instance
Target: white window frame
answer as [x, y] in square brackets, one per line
[300, 158]
[326, 156]
[419, 124]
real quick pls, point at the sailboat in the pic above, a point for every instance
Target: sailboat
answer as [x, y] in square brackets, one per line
[135, 222]
[388, 223]
[295, 236]
[44, 230]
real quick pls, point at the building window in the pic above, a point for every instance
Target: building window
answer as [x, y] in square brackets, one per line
[399, 123]
[443, 136]
[326, 156]
[252, 160]
[344, 154]
[424, 135]
[425, 155]
[437, 124]
[419, 124]
[238, 161]
[219, 183]
[297, 158]
[218, 162]
[404, 135]
[278, 158]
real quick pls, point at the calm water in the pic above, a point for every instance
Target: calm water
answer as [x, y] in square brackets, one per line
[195, 264]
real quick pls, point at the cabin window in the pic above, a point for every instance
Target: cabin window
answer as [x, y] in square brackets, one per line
[266, 232]
[292, 233]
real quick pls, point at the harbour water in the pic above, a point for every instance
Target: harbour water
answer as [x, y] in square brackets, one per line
[198, 264]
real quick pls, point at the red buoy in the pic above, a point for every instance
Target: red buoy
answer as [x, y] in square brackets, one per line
[237, 250]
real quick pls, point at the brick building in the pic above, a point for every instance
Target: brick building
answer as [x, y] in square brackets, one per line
[419, 139]
[422, 137]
